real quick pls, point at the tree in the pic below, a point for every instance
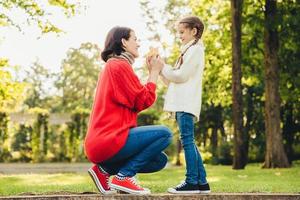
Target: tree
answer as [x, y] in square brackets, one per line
[11, 91]
[36, 13]
[240, 139]
[216, 111]
[275, 155]
[78, 78]
[289, 61]
[38, 79]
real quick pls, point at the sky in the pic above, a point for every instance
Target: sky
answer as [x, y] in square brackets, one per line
[91, 25]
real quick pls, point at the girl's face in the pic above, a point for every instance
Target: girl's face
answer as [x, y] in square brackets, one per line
[186, 34]
[131, 45]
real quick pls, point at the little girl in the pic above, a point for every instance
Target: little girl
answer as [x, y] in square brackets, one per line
[183, 98]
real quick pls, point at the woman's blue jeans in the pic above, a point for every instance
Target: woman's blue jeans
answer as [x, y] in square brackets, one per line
[142, 153]
[195, 171]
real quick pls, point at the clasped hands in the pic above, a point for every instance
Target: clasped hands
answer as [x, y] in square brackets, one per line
[154, 62]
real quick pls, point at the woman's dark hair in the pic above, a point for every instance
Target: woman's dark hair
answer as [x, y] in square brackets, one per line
[113, 41]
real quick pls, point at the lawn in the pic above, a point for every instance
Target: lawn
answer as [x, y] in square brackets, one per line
[221, 179]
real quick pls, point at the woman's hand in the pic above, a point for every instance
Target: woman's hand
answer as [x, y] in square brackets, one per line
[155, 64]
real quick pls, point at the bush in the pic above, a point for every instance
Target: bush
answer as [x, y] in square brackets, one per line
[4, 152]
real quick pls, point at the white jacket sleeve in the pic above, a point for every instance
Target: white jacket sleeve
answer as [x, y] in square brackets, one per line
[194, 56]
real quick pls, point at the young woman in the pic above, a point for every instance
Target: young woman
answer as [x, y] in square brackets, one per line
[113, 142]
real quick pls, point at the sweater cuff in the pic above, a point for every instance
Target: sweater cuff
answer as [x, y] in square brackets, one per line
[166, 70]
[151, 85]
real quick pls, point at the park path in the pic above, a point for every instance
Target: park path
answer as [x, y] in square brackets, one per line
[40, 168]
[213, 196]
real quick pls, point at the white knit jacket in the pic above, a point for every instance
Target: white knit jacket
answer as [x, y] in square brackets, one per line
[185, 88]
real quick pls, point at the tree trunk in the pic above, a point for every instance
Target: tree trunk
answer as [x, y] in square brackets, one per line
[275, 154]
[240, 155]
[249, 116]
[178, 162]
[288, 130]
[214, 142]
[214, 145]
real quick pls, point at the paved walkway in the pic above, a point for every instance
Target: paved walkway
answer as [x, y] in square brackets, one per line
[213, 196]
[40, 168]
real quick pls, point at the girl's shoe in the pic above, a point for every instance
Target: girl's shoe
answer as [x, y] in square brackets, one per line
[128, 185]
[101, 179]
[185, 188]
[204, 189]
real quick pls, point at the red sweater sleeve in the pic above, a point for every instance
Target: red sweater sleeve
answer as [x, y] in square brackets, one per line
[128, 90]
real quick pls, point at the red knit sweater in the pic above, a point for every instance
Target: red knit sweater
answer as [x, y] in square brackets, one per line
[118, 99]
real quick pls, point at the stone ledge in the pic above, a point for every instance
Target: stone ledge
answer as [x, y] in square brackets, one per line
[213, 196]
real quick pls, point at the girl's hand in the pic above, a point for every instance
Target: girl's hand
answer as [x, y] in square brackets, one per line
[148, 58]
[155, 64]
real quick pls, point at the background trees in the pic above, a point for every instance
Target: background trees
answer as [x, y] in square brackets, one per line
[262, 44]
[215, 129]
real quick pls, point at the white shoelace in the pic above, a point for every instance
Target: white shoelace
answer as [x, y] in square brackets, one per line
[134, 181]
[181, 184]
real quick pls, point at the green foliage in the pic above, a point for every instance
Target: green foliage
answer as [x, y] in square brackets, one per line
[147, 117]
[39, 135]
[35, 12]
[75, 135]
[4, 152]
[217, 40]
[78, 78]
[216, 100]
[11, 92]
[37, 78]
[21, 143]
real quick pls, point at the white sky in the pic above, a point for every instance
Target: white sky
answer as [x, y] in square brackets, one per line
[91, 25]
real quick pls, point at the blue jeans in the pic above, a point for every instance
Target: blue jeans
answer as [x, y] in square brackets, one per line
[195, 171]
[142, 152]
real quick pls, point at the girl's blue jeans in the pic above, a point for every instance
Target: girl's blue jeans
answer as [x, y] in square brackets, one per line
[195, 171]
[142, 153]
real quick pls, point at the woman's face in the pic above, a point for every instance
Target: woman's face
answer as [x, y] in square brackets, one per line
[131, 45]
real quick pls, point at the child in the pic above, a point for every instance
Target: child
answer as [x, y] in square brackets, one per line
[183, 98]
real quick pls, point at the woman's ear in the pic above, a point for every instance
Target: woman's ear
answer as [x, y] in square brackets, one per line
[124, 43]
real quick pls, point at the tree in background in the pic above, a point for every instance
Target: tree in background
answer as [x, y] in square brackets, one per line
[240, 139]
[11, 91]
[275, 155]
[289, 85]
[216, 114]
[22, 143]
[39, 91]
[11, 98]
[36, 13]
[39, 135]
[78, 78]
[217, 78]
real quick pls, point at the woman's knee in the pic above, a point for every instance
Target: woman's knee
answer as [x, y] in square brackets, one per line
[162, 161]
[165, 132]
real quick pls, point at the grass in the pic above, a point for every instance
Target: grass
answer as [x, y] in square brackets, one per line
[221, 179]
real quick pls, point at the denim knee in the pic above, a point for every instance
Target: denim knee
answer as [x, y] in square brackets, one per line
[167, 133]
[163, 161]
[186, 140]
